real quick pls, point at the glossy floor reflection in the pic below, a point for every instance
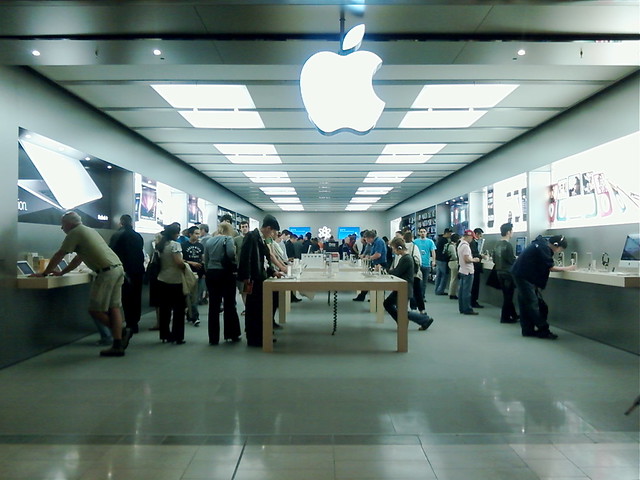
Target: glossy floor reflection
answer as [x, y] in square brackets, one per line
[471, 399]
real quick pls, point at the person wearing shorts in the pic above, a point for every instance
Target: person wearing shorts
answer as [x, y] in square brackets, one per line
[105, 297]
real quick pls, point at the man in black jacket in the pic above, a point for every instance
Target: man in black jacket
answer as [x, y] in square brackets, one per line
[128, 245]
[253, 269]
[476, 246]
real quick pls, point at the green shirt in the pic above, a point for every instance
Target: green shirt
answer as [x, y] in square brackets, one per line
[91, 247]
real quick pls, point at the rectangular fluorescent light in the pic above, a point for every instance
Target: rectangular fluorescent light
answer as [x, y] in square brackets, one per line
[409, 152]
[462, 96]
[285, 199]
[373, 190]
[357, 207]
[278, 190]
[243, 153]
[206, 96]
[223, 118]
[291, 208]
[386, 177]
[365, 199]
[268, 177]
[441, 118]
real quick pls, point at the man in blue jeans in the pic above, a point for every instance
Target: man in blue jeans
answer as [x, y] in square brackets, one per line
[427, 253]
[466, 260]
[442, 261]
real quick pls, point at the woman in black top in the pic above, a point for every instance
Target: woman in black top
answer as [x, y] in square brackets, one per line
[404, 269]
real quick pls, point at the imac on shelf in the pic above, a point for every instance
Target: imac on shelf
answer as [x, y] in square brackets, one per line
[630, 258]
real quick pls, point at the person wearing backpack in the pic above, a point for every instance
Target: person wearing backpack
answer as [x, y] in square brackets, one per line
[451, 252]
[441, 262]
[416, 302]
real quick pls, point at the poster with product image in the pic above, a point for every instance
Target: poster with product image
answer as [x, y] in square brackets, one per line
[157, 205]
[597, 187]
[507, 203]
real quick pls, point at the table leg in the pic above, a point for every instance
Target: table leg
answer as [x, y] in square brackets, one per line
[267, 319]
[284, 297]
[373, 303]
[287, 304]
[380, 306]
[403, 319]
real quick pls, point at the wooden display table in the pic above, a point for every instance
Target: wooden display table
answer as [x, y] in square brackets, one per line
[344, 280]
[49, 282]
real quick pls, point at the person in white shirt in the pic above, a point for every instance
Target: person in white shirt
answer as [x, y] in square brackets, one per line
[466, 273]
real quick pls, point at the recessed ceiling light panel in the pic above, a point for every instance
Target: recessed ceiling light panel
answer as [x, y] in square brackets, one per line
[249, 153]
[268, 177]
[222, 118]
[441, 118]
[365, 199]
[373, 190]
[279, 190]
[386, 177]
[462, 96]
[409, 152]
[357, 207]
[291, 208]
[206, 96]
[285, 199]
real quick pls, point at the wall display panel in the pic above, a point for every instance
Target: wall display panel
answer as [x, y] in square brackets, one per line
[300, 231]
[600, 186]
[253, 223]
[157, 205]
[54, 178]
[507, 202]
[427, 219]
[459, 214]
[409, 221]
[344, 232]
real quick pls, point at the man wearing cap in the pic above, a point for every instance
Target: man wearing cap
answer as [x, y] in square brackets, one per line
[466, 260]
[442, 261]
[105, 298]
[253, 269]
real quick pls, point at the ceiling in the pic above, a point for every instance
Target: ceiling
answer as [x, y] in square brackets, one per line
[101, 51]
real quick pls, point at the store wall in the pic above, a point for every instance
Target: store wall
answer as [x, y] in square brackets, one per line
[34, 321]
[611, 114]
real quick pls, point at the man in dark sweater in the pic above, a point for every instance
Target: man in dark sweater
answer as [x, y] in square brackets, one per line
[128, 245]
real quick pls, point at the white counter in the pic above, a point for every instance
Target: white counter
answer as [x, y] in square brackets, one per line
[49, 282]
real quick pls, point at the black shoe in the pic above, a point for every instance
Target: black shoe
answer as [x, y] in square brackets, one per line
[112, 352]
[296, 299]
[452, 297]
[470, 313]
[510, 320]
[477, 305]
[547, 335]
[515, 318]
[529, 334]
[358, 299]
[179, 342]
[426, 325]
[213, 343]
[232, 340]
[127, 333]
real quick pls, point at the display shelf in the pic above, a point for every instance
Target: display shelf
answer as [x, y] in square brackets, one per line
[49, 282]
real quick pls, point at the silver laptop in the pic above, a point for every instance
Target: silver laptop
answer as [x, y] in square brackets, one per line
[65, 183]
[24, 269]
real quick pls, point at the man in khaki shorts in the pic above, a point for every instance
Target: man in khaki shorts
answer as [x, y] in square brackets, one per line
[105, 298]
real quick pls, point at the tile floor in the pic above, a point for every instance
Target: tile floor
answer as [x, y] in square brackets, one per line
[471, 400]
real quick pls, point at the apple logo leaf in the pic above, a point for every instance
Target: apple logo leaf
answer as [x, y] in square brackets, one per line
[353, 38]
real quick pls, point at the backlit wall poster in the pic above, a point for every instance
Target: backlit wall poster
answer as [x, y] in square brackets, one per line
[600, 186]
[54, 178]
[157, 205]
[200, 211]
[507, 202]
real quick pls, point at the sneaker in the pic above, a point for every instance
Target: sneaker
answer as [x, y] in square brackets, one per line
[126, 337]
[112, 352]
[453, 297]
[196, 323]
[358, 299]
[428, 323]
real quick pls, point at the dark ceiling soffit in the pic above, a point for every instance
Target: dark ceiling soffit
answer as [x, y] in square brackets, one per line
[335, 37]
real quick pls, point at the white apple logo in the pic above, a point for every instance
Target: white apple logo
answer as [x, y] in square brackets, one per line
[337, 89]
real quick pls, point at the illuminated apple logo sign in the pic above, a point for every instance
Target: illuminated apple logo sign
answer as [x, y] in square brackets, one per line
[337, 89]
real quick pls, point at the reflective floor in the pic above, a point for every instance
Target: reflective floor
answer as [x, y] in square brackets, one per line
[471, 400]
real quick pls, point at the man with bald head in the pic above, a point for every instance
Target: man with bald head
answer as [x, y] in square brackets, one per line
[105, 298]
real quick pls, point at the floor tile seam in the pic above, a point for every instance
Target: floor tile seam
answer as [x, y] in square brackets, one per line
[237, 466]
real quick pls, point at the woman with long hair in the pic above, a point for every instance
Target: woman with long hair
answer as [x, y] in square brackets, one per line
[220, 264]
[171, 298]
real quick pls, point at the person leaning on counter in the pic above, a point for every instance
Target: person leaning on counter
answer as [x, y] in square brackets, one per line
[105, 298]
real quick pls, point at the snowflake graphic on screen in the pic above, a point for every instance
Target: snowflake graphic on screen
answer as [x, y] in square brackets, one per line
[324, 232]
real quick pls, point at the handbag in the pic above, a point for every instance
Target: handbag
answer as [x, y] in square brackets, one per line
[493, 280]
[189, 280]
[154, 267]
[227, 264]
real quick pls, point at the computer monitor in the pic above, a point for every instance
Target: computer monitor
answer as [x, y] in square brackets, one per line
[521, 244]
[344, 232]
[630, 258]
[300, 231]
